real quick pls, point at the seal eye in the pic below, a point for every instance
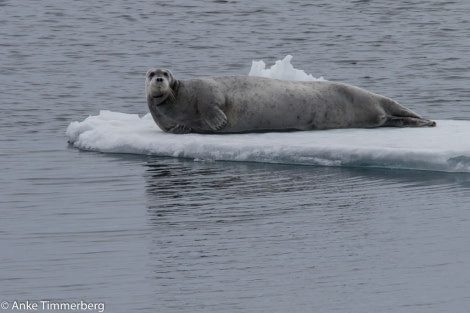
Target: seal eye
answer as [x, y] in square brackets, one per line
[165, 74]
[151, 74]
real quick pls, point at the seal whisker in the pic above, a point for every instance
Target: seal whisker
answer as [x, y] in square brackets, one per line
[171, 95]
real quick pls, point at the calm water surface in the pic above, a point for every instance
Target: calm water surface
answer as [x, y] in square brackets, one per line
[144, 234]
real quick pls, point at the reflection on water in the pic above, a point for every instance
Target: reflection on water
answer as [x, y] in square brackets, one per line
[234, 236]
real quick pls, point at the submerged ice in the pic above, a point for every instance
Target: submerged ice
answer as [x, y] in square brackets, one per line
[443, 148]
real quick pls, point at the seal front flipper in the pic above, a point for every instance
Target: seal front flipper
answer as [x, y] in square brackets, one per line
[214, 117]
[179, 129]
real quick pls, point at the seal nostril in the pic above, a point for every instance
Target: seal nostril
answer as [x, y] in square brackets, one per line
[159, 79]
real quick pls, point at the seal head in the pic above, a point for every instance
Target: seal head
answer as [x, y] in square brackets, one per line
[160, 85]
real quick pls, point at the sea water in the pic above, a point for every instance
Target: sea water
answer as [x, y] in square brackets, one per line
[143, 221]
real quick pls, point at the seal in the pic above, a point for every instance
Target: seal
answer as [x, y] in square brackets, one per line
[238, 104]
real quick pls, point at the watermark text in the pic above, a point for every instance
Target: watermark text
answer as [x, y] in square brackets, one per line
[50, 305]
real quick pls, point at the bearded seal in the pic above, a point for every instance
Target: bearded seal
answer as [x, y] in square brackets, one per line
[238, 104]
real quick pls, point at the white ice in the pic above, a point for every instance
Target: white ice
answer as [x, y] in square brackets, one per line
[282, 69]
[442, 148]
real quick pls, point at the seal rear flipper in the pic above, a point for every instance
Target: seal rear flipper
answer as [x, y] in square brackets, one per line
[400, 116]
[399, 121]
[214, 117]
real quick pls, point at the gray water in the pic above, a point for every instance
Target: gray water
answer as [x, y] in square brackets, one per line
[146, 234]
